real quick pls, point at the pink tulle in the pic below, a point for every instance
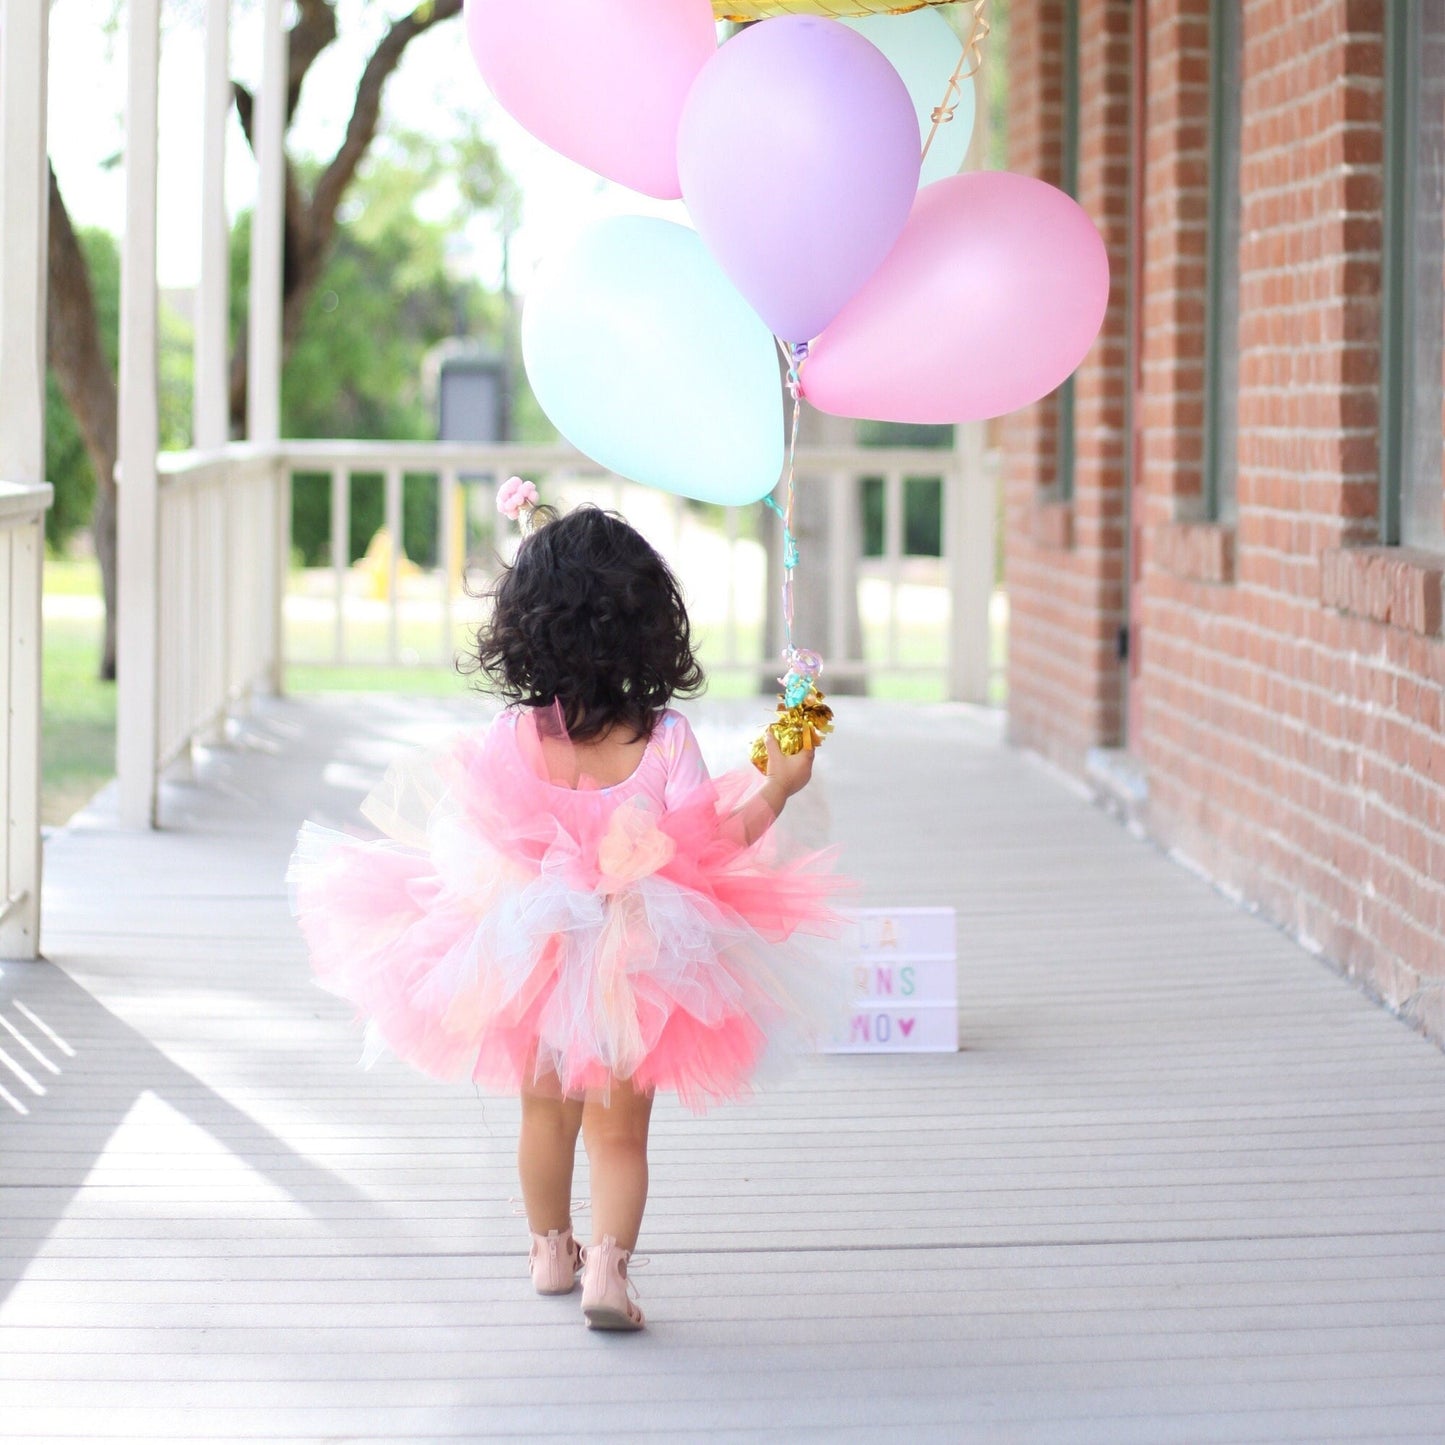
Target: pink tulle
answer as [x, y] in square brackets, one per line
[518, 932]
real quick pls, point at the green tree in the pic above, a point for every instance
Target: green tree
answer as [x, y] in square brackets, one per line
[388, 295]
[75, 346]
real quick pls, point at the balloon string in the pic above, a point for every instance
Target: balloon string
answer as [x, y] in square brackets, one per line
[972, 58]
[794, 356]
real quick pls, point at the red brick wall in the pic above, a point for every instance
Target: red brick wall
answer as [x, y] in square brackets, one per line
[1290, 687]
[1065, 560]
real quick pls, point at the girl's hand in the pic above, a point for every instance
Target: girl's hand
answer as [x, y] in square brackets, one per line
[786, 776]
[789, 773]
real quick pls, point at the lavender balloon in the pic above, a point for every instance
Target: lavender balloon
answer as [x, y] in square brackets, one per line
[798, 155]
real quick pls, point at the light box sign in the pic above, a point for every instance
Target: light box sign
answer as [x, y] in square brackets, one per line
[903, 967]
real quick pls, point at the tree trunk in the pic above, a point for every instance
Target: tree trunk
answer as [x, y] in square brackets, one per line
[107, 553]
[77, 356]
[310, 223]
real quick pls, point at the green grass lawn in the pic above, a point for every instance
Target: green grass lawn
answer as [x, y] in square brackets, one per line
[77, 719]
[72, 577]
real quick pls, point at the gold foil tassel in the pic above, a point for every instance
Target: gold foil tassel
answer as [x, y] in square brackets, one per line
[796, 728]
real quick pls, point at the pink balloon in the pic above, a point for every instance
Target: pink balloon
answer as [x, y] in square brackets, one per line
[992, 296]
[604, 84]
[798, 153]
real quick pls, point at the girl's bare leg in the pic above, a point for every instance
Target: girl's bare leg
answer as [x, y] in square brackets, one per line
[546, 1152]
[616, 1138]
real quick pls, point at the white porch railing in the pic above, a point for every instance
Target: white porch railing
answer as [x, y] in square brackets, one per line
[22, 557]
[722, 565]
[224, 590]
[222, 549]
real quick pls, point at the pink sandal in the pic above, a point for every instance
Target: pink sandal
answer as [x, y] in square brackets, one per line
[606, 1289]
[555, 1259]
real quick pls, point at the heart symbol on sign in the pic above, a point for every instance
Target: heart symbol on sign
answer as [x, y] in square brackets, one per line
[905, 1027]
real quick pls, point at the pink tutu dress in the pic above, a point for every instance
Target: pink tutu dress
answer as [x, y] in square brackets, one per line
[515, 931]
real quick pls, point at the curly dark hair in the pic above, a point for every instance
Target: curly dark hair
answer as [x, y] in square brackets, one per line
[589, 617]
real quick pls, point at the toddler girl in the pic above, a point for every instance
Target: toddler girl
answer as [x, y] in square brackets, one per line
[566, 905]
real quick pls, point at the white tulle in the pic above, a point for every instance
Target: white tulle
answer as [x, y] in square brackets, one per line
[515, 932]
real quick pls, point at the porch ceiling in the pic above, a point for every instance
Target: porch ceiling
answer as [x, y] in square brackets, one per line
[1181, 1184]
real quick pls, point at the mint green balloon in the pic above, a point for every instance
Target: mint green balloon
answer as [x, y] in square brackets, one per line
[647, 359]
[924, 49]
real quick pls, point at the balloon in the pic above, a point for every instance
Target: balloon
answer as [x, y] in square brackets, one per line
[762, 9]
[924, 50]
[798, 154]
[602, 83]
[991, 298]
[647, 359]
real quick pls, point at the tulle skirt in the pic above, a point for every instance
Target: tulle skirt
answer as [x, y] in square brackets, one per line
[522, 935]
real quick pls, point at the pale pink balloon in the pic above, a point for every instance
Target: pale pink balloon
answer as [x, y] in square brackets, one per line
[991, 298]
[604, 84]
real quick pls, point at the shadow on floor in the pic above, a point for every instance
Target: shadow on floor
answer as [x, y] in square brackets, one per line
[71, 1074]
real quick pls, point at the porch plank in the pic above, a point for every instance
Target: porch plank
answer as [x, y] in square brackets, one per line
[1182, 1183]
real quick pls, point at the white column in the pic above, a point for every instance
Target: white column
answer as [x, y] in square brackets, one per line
[969, 500]
[263, 405]
[263, 342]
[137, 638]
[24, 208]
[969, 517]
[209, 410]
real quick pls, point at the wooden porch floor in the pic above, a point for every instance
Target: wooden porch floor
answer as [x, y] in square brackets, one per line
[1182, 1184]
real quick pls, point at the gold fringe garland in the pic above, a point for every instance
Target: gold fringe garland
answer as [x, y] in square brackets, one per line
[744, 10]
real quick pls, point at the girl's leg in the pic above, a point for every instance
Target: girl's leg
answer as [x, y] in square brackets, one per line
[546, 1151]
[616, 1138]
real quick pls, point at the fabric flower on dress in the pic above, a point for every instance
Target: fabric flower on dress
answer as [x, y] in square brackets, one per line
[632, 848]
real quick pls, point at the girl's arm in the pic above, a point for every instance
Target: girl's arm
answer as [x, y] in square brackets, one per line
[787, 774]
[753, 817]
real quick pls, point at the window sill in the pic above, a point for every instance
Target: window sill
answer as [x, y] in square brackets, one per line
[1196, 551]
[1054, 524]
[1399, 586]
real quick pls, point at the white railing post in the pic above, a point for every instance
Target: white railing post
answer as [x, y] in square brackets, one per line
[893, 544]
[394, 525]
[210, 405]
[24, 208]
[137, 662]
[280, 480]
[450, 547]
[22, 556]
[842, 561]
[969, 520]
[340, 555]
[24, 197]
[263, 339]
[263, 350]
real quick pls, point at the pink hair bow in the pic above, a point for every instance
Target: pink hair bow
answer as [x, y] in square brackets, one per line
[516, 496]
